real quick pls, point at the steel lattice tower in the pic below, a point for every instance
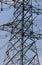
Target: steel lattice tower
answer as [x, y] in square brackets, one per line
[22, 44]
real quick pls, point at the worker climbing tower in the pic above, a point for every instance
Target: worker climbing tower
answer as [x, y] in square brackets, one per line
[22, 49]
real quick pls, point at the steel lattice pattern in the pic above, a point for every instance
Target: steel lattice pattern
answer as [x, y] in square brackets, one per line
[22, 44]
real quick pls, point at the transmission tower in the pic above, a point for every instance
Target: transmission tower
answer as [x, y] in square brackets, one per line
[22, 43]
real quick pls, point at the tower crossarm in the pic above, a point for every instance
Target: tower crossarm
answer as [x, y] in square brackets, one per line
[5, 28]
[34, 35]
[37, 35]
[36, 10]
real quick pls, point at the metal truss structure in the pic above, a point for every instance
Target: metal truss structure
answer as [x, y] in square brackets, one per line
[22, 43]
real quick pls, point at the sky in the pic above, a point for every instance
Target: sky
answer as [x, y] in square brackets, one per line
[5, 17]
